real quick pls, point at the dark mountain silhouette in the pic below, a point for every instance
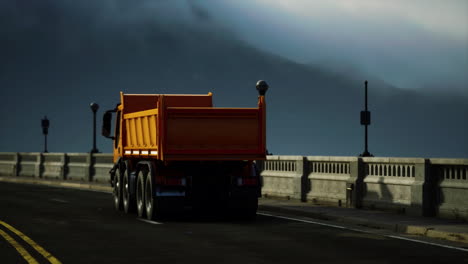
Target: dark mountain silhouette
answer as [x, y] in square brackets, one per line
[68, 57]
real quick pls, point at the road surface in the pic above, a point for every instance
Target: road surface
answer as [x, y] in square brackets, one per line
[41, 224]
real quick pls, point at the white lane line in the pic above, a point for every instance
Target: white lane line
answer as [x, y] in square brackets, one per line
[58, 200]
[363, 231]
[150, 222]
[428, 243]
[315, 223]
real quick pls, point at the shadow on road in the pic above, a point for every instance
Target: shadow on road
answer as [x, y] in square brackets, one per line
[192, 216]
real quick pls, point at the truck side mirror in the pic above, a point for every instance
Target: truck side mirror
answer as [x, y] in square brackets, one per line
[106, 124]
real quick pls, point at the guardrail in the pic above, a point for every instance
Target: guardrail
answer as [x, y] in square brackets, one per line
[415, 186]
[330, 179]
[83, 167]
[451, 194]
[282, 176]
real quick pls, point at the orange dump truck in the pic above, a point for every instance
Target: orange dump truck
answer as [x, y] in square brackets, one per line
[178, 151]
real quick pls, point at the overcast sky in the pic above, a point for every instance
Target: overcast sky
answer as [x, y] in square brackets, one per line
[57, 56]
[410, 44]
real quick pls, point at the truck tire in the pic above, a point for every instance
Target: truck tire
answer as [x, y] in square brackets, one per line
[151, 200]
[140, 191]
[117, 191]
[127, 198]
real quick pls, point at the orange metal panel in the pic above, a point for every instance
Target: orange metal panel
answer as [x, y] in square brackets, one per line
[187, 127]
[133, 133]
[139, 130]
[140, 102]
[188, 100]
[129, 138]
[141, 113]
[213, 131]
[152, 130]
[208, 157]
[146, 132]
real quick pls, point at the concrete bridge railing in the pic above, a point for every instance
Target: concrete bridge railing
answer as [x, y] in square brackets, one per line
[416, 186]
[451, 179]
[330, 179]
[83, 167]
[282, 176]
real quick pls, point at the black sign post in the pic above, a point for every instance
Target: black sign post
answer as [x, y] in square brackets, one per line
[94, 108]
[45, 130]
[366, 121]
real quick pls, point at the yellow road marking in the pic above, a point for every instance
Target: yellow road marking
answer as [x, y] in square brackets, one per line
[19, 248]
[33, 244]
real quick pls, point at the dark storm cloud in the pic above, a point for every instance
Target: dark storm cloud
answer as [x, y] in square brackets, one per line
[419, 44]
[58, 56]
[198, 11]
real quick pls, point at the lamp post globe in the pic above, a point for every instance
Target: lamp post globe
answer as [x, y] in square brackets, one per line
[94, 107]
[262, 87]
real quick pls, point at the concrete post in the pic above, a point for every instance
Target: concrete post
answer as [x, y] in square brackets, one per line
[420, 203]
[355, 185]
[66, 169]
[39, 166]
[429, 195]
[298, 182]
[303, 169]
[63, 167]
[90, 170]
[15, 165]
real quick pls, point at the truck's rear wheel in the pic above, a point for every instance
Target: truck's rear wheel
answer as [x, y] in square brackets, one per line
[151, 199]
[140, 191]
[127, 198]
[117, 191]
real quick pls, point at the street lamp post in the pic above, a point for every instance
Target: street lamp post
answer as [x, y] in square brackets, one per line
[45, 130]
[94, 108]
[262, 88]
[366, 121]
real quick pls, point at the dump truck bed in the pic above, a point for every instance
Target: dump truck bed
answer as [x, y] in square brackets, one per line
[186, 127]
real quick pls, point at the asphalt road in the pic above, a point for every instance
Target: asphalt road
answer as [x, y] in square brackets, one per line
[76, 226]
